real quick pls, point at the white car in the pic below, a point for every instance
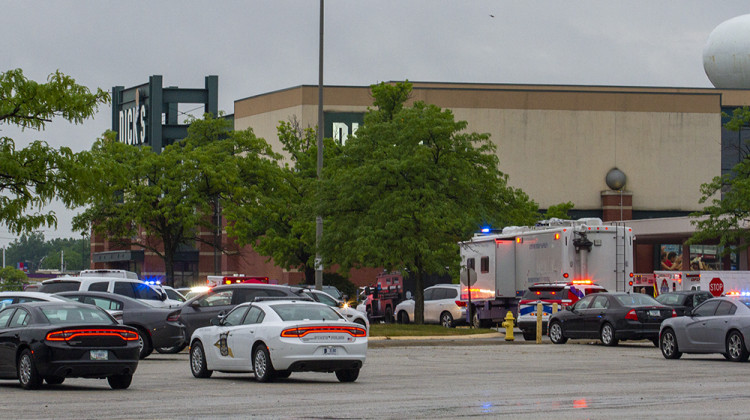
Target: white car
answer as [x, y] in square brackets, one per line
[276, 337]
[9, 298]
[350, 313]
[442, 305]
[119, 282]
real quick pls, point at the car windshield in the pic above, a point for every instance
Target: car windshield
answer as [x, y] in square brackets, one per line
[672, 299]
[70, 315]
[637, 299]
[745, 301]
[301, 311]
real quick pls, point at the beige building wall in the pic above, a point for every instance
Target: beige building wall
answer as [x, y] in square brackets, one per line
[557, 143]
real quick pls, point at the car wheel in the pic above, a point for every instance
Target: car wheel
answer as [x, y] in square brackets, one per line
[27, 373]
[556, 333]
[171, 350]
[736, 347]
[198, 361]
[668, 345]
[262, 364]
[144, 343]
[54, 380]
[446, 319]
[607, 335]
[347, 375]
[120, 381]
[403, 317]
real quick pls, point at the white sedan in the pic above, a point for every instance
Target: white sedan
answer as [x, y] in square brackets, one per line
[274, 338]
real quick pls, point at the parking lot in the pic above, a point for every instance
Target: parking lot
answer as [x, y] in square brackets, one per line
[423, 379]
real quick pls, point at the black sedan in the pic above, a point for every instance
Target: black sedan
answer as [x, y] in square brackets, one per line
[157, 327]
[52, 341]
[684, 301]
[611, 317]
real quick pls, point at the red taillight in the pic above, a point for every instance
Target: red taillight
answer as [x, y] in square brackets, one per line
[674, 313]
[632, 315]
[303, 331]
[173, 317]
[65, 335]
[460, 303]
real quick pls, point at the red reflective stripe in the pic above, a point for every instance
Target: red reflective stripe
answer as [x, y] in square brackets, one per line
[303, 331]
[64, 335]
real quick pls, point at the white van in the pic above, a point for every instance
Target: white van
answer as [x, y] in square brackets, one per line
[119, 282]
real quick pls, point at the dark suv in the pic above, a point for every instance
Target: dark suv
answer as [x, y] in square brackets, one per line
[684, 301]
[198, 311]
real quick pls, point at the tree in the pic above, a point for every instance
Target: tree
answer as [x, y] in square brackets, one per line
[161, 202]
[29, 248]
[559, 211]
[409, 186]
[32, 177]
[283, 226]
[12, 279]
[726, 216]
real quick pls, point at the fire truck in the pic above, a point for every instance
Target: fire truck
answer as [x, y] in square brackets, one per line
[379, 299]
[503, 265]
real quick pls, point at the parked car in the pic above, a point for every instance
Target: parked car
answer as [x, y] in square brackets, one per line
[157, 327]
[349, 313]
[198, 311]
[442, 305]
[611, 317]
[174, 294]
[129, 287]
[718, 325]
[684, 301]
[9, 298]
[278, 337]
[52, 341]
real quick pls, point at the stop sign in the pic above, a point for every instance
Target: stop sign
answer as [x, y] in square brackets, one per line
[716, 286]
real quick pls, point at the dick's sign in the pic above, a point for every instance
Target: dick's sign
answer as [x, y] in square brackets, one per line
[133, 123]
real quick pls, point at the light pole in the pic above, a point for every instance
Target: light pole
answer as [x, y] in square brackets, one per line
[319, 218]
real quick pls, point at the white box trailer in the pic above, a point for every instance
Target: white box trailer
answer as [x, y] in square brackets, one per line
[554, 251]
[725, 283]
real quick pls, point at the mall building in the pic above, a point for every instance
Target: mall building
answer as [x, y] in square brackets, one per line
[558, 144]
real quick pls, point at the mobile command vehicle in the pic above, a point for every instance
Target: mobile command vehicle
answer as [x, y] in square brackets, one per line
[554, 251]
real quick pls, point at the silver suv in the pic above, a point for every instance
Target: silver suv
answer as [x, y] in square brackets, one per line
[442, 305]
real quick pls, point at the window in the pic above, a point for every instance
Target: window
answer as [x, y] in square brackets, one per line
[323, 298]
[144, 291]
[235, 317]
[20, 319]
[600, 302]
[708, 308]
[451, 293]
[438, 293]
[470, 263]
[60, 286]
[725, 308]
[700, 298]
[5, 316]
[106, 304]
[5, 302]
[100, 286]
[428, 294]
[485, 262]
[585, 302]
[254, 316]
[221, 298]
[76, 315]
[299, 312]
[125, 289]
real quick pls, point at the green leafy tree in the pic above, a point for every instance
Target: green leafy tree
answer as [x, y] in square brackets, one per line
[12, 279]
[559, 211]
[409, 186]
[283, 226]
[726, 214]
[162, 202]
[31, 248]
[30, 178]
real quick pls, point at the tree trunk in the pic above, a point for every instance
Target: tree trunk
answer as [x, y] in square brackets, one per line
[169, 266]
[309, 275]
[419, 297]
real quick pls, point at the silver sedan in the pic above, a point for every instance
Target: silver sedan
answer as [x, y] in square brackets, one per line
[718, 325]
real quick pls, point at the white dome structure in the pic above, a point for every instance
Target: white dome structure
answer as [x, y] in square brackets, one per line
[726, 56]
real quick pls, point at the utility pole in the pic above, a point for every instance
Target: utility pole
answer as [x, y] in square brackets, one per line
[319, 219]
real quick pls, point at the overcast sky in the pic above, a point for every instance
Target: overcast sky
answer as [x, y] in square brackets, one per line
[261, 46]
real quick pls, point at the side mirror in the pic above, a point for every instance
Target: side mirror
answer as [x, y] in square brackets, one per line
[408, 294]
[195, 304]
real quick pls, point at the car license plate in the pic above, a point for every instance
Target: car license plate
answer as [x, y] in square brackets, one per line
[329, 350]
[99, 354]
[654, 312]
